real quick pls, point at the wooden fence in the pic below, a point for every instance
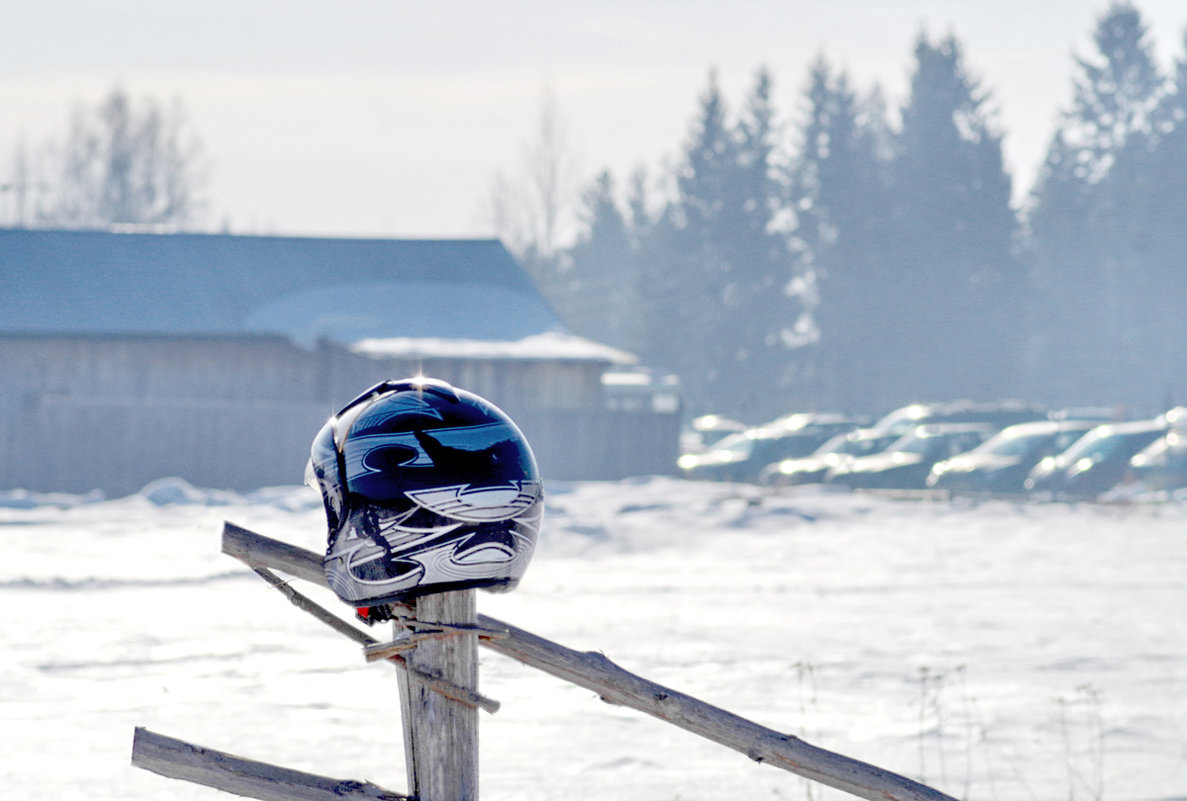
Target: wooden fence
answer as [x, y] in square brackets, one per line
[439, 707]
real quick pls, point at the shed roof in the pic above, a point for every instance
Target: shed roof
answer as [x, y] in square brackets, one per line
[340, 289]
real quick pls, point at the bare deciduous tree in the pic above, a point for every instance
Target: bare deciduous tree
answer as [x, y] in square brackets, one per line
[126, 163]
[533, 211]
[16, 190]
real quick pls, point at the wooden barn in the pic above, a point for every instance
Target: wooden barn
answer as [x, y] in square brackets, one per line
[127, 357]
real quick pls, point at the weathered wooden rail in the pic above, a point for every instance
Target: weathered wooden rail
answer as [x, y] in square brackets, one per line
[177, 759]
[585, 669]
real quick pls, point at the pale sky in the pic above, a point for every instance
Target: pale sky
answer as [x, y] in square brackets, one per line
[393, 118]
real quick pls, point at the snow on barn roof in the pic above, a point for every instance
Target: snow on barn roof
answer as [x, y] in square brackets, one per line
[552, 345]
[448, 295]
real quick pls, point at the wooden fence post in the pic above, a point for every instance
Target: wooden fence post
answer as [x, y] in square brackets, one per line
[590, 670]
[440, 733]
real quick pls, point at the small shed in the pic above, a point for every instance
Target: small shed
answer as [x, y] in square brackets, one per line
[128, 356]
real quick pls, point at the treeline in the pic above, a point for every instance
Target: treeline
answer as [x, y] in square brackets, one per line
[124, 161]
[856, 260]
[859, 259]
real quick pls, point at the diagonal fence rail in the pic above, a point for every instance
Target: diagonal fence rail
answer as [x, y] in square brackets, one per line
[616, 685]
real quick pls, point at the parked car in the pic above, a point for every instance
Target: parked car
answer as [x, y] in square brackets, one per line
[1001, 464]
[842, 448]
[707, 430]
[742, 456]
[1175, 418]
[1094, 463]
[998, 413]
[1162, 465]
[1101, 414]
[907, 462]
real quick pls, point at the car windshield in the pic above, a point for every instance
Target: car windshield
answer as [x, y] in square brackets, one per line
[902, 420]
[913, 443]
[1066, 439]
[865, 446]
[1168, 451]
[1015, 443]
[740, 444]
[838, 444]
[791, 446]
[1097, 444]
[1153, 455]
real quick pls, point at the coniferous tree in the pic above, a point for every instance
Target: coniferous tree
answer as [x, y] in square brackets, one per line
[1115, 103]
[1155, 241]
[688, 271]
[1168, 196]
[719, 274]
[705, 179]
[1089, 220]
[766, 357]
[1062, 248]
[957, 284]
[1115, 94]
[757, 134]
[839, 195]
[601, 298]
[639, 215]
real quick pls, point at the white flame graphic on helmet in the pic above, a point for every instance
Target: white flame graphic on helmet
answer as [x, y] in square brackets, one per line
[478, 504]
[437, 556]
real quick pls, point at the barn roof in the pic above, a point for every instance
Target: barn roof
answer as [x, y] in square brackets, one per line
[307, 289]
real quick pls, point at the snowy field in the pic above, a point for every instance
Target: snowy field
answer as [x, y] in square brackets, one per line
[994, 651]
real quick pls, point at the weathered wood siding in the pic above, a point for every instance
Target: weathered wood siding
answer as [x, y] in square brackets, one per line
[114, 413]
[514, 385]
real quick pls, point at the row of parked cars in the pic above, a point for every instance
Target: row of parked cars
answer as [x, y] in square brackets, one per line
[1007, 448]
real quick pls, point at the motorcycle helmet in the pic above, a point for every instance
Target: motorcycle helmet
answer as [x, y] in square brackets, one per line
[427, 488]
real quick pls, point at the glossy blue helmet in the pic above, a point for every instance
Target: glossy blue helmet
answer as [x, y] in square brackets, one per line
[427, 488]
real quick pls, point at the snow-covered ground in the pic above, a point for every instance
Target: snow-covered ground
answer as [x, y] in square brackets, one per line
[994, 651]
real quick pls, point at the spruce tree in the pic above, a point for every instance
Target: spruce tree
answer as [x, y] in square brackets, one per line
[684, 267]
[601, 298]
[958, 292]
[1090, 220]
[1115, 93]
[1157, 239]
[766, 355]
[1167, 199]
[839, 196]
[719, 274]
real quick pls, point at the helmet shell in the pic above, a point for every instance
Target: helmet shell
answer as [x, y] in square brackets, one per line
[427, 488]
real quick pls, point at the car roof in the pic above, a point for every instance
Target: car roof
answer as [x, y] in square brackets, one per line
[1034, 427]
[1130, 427]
